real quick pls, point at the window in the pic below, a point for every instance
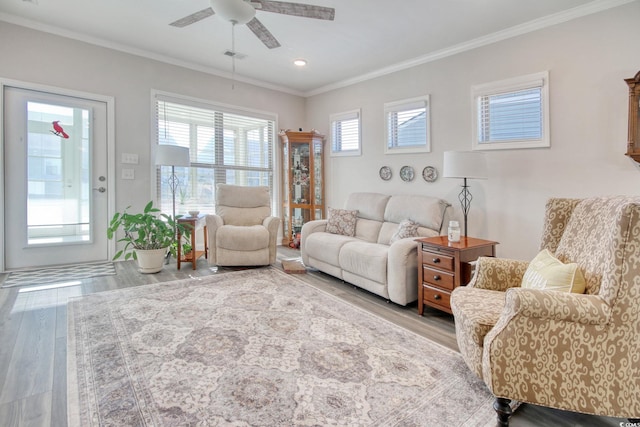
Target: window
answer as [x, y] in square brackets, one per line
[407, 126]
[225, 146]
[345, 134]
[512, 113]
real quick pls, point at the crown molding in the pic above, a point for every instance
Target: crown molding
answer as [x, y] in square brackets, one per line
[528, 27]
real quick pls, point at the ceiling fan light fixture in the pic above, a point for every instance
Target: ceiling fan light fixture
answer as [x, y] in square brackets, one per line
[236, 11]
[300, 62]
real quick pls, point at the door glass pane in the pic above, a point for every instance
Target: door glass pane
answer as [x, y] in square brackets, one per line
[58, 184]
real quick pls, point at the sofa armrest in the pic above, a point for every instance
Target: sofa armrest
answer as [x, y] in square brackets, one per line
[308, 228]
[498, 274]
[402, 271]
[272, 223]
[558, 306]
[213, 223]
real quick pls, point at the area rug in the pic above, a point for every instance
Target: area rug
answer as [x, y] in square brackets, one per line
[58, 274]
[257, 348]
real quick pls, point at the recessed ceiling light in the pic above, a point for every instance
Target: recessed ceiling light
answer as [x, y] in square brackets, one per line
[300, 62]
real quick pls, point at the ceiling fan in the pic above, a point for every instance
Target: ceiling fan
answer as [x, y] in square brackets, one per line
[243, 12]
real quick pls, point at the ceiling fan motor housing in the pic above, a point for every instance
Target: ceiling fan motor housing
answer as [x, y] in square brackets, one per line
[236, 11]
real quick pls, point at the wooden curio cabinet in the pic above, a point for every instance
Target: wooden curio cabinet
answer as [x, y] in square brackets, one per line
[302, 180]
[633, 141]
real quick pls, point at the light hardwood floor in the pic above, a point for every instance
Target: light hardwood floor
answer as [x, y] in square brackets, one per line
[33, 330]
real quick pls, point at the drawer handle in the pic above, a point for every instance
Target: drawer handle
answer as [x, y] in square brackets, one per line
[436, 260]
[437, 277]
[437, 297]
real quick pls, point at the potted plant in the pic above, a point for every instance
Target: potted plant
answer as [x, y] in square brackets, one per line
[147, 236]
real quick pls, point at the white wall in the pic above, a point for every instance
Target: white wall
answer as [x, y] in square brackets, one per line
[587, 59]
[37, 57]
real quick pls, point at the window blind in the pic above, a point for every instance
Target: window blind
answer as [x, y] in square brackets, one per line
[407, 125]
[345, 132]
[225, 146]
[511, 116]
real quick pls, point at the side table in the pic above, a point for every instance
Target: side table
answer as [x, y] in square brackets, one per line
[443, 266]
[195, 223]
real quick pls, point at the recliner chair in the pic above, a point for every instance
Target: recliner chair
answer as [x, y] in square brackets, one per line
[242, 232]
[576, 352]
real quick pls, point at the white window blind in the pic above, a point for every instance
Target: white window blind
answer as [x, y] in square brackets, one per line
[225, 146]
[345, 133]
[512, 113]
[407, 126]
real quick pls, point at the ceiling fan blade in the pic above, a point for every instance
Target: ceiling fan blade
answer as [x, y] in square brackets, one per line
[263, 34]
[193, 18]
[295, 9]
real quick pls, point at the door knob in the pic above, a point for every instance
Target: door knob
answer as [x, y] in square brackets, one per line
[100, 189]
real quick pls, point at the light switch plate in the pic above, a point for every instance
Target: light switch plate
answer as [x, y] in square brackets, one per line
[130, 158]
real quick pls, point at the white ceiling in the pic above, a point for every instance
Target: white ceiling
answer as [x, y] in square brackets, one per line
[367, 37]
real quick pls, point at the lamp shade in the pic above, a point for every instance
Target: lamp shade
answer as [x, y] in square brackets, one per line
[238, 12]
[464, 164]
[172, 155]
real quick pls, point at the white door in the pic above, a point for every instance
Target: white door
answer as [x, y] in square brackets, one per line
[55, 179]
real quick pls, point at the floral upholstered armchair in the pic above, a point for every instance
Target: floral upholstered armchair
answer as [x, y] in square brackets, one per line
[577, 352]
[242, 232]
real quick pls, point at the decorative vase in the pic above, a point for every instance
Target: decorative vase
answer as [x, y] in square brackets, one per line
[151, 260]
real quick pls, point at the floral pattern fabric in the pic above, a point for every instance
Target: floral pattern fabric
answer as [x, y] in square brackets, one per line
[342, 221]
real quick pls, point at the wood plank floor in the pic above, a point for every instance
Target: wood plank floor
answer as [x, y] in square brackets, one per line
[33, 330]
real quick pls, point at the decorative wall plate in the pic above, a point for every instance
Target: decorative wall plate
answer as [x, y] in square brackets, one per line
[430, 174]
[406, 173]
[385, 173]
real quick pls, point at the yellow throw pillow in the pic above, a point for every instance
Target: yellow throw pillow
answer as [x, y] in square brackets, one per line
[547, 272]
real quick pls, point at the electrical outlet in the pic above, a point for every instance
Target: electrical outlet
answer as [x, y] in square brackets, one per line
[128, 174]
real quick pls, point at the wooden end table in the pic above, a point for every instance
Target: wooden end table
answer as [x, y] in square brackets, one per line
[443, 266]
[192, 257]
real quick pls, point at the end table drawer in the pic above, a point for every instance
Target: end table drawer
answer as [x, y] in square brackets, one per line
[437, 278]
[437, 260]
[437, 297]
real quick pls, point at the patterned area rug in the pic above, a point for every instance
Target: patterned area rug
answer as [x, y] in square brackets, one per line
[58, 274]
[257, 348]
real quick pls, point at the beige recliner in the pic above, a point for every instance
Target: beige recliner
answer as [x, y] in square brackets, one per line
[576, 352]
[242, 232]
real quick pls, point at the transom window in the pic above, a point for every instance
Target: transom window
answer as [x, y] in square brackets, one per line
[512, 113]
[345, 134]
[407, 126]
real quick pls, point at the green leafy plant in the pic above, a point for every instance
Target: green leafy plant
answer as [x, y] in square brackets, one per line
[146, 230]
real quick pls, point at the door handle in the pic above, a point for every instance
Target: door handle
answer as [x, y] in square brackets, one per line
[100, 189]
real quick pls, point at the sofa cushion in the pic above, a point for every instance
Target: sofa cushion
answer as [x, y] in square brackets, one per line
[367, 260]
[547, 272]
[342, 221]
[239, 205]
[326, 247]
[369, 205]
[425, 210]
[367, 229]
[407, 228]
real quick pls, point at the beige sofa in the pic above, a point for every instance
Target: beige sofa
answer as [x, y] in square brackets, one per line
[367, 259]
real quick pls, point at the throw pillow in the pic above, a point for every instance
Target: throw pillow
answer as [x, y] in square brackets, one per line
[342, 221]
[407, 228]
[547, 272]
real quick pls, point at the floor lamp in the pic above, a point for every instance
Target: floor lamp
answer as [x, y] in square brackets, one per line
[465, 165]
[172, 155]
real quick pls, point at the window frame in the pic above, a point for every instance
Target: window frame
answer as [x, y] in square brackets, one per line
[219, 169]
[344, 116]
[516, 84]
[407, 105]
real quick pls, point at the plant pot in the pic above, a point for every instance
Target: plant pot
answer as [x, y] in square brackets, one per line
[151, 260]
